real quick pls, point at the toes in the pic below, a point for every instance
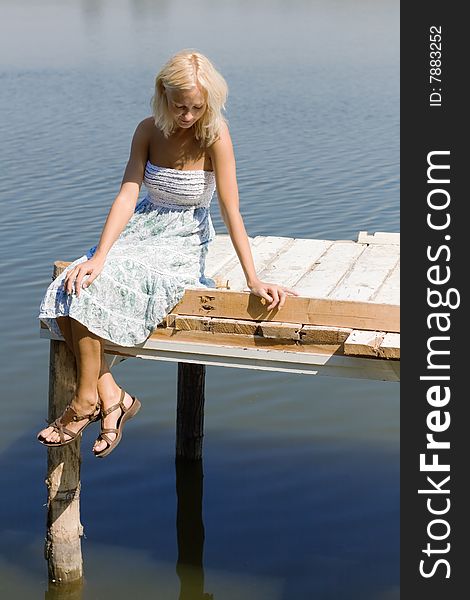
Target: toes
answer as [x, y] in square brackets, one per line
[99, 445]
[44, 433]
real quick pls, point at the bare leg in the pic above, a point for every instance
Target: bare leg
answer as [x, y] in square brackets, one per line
[108, 390]
[88, 350]
[110, 394]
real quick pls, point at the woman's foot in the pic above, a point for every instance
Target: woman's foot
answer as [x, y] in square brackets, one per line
[113, 419]
[76, 416]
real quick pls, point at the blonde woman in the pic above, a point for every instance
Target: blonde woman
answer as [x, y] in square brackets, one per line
[150, 251]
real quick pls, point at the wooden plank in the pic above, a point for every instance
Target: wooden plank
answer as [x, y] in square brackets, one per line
[331, 268]
[310, 360]
[321, 334]
[279, 330]
[188, 323]
[367, 273]
[238, 326]
[380, 237]
[221, 256]
[389, 291]
[363, 343]
[264, 249]
[294, 261]
[245, 341]
[390, 346]
[250, 352]
[308, 334]
[170, 319]
[297, 309]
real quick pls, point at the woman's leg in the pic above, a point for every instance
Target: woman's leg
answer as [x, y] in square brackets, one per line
[88, 351]
[110, 394]
[108, 390]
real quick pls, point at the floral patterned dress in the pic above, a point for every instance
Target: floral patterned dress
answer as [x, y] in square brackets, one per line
[159, 254]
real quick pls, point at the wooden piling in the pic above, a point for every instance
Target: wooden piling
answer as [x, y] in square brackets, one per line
[64, 529]
[190, 410]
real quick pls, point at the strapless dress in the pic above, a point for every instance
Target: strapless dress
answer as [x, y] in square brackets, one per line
[159, 254]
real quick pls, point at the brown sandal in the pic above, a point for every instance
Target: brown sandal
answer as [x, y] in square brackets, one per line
[127, 413]
[70, 415]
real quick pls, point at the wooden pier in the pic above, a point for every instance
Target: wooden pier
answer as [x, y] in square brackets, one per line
[344, 323]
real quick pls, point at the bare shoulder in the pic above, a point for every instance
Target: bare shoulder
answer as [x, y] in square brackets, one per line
[224, 135]
[222, 148]
[141, 138]
[145, 127]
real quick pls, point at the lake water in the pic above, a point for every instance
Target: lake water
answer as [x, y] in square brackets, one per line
[301, 473]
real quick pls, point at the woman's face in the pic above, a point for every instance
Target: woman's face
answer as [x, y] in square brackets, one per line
[186, 106]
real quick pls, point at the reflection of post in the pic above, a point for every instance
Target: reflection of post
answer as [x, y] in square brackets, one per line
[190, 530]
[190, 410]
[62, 547]
[68, 591]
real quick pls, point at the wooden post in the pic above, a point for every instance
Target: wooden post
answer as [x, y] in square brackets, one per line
[190, 410]
[65, 591]
[62, 546]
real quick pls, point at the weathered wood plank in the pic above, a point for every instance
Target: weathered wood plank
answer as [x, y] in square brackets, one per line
[367, 273]
[321, 334]
[191, 323]
[363, 343]
[244, 341]
[221, 256]
[389, 291]
[380, 237]
[297, 309]
[390, 346]
[303, 358]
[264, 249]
[238, 326]
[294, 262]
[279, 330]
[331, 268]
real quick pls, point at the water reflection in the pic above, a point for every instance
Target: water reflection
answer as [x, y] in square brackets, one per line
[189, 533]
[68, 591]
[190, 530]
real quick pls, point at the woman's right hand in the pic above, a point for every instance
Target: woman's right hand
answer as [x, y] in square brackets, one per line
[73, 279]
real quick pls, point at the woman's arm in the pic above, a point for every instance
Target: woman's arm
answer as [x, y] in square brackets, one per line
[223, 161]
[124, 204]
[119, 214]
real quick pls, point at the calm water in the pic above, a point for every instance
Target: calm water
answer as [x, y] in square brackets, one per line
[301, 480]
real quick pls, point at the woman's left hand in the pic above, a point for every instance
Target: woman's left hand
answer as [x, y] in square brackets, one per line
[274, 293]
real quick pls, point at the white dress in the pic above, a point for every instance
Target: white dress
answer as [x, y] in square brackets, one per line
[160, 252]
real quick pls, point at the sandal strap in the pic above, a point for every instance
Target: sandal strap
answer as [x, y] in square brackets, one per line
[120, 404]
[60, 429]
[104, 438]
[94, 413]
[76, 416]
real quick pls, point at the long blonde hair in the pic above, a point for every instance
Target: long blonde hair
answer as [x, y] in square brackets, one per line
[183, 71]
